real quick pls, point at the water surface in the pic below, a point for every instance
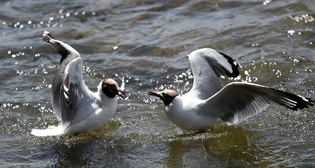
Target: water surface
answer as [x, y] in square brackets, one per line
[147, 42]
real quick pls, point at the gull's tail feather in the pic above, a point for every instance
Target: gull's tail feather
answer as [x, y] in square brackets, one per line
[50, 131]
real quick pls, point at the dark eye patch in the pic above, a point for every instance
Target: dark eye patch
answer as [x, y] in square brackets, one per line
[109, 84]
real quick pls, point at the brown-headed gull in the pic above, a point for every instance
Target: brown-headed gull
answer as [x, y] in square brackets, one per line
[207, 101]
[78, 108]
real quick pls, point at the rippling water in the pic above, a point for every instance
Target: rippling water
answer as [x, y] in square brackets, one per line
[147, 41]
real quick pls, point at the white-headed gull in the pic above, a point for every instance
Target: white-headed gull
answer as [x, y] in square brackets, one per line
[207, 101]
[78, 108]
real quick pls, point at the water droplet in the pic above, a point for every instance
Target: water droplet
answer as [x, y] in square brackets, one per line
[266, 2]
[296, 60]
[291, 32]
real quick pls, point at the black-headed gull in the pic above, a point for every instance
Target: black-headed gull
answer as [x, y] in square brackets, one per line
[207, 101]
[78, 108]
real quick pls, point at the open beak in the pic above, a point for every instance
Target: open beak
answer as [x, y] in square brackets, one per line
[157, 94]
[121, 93]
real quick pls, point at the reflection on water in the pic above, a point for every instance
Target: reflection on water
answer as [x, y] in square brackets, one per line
[147, 42]
[219, 146]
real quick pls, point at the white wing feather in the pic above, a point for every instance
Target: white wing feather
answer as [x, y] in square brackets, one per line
[207, 66]
[238, 101]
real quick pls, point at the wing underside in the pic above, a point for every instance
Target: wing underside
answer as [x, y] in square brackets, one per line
[70, 91]
[207, 66]
[238, 101]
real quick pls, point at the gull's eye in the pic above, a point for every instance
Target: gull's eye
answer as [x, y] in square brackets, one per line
[109, 84]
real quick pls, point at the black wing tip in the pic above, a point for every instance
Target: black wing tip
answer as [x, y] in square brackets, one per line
[234, 65]
[56, 44]
[47, 36]
[303, 103]
[293, 101]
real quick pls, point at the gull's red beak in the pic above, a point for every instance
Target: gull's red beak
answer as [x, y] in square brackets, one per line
[152, 93]
[122, 94]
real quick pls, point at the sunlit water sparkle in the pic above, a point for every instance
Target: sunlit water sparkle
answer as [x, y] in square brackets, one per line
[148, 43]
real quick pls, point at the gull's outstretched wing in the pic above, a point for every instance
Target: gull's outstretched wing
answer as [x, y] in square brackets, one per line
[62, 48]
[207, 66]
[70, 90]
[64, 87]
[238, 101]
